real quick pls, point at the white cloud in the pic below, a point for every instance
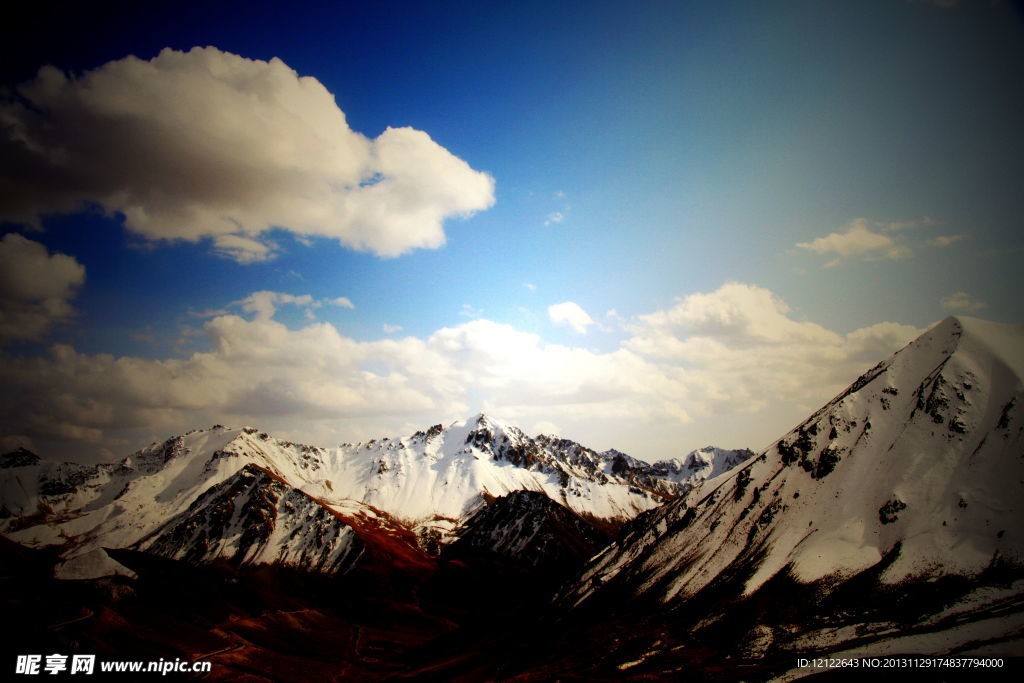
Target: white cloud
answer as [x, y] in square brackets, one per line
[945, 240]
[897, 226]
[341, 301]
[469, 311]
[36, 288]
[614, 319]
[530, 286]
[244, 249]
[858, 240]
[962, 301]
[554, 217]
[743, 314]
[391, 329]
[735, 350]
[207, 144]
[740, 349]
[264, 304]
[545, 427]
[208, 313]
[570, 314]
[260, 371]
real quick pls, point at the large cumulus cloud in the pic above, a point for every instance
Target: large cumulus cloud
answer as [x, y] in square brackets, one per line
[742, 350]
[209, 145]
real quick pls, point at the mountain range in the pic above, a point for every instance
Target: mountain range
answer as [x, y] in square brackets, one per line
[887, 522]
[245, 496]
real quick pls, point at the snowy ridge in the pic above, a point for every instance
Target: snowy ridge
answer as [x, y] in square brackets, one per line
[255, 518]
[920, 461]
[244, 495]
[118, 505]
[702, 464]
[444, 474]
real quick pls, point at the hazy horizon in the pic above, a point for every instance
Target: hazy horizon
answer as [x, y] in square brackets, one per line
[651, 228]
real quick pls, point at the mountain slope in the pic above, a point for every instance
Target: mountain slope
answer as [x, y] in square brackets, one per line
[254, 518]
[84, 508]
[914, 473]
[528, 529]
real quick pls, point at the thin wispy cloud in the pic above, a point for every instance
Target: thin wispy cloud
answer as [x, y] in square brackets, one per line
[866, 240]
[858, 240]
[342, 302]
[554, 217]
[244, 249]
[945, 240]
[264, 304]
[898, 226]
[962, 301]
[470, 311]
[208, 313]
[559, 215]
[146, 337]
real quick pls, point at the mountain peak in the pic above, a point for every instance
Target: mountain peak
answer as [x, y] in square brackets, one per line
[19, 457]
[481, 420]
[918, 461]
[1000, 340]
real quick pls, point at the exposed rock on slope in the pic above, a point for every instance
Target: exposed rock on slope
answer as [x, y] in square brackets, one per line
[528, 529]
[255, 518]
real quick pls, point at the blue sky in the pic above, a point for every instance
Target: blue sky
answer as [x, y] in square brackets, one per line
[747, 203]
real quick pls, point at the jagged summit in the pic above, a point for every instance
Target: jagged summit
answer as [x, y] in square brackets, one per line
[447, 472]
[701, 464]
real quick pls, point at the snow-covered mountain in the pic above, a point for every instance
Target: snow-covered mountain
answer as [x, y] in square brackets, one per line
[253, 517]
[701, 464]
[443, 474]
[528, 529]
[916, 471]
[241, 494]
